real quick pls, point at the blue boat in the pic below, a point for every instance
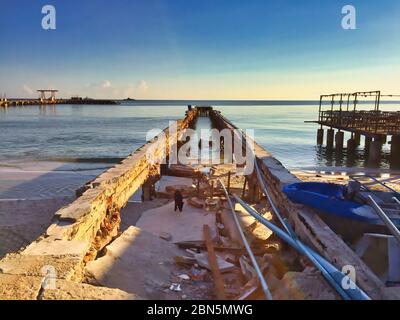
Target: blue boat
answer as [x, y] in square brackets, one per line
[331, 199]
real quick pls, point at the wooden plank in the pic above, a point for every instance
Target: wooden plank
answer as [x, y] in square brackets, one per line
[212, 258]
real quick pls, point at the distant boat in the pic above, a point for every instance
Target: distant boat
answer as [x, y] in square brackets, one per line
[331, 199]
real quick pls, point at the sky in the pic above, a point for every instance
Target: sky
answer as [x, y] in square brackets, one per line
[203, 49]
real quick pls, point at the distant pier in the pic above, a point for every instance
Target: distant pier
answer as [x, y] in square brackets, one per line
[51, 100]
[374, 124]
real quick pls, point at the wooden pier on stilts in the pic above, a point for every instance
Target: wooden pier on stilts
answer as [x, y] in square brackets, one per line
[342, 112]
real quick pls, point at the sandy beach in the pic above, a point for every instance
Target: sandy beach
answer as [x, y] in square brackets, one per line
[30, 194]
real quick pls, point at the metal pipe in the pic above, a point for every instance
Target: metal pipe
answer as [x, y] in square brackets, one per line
[386, 220]
[263, 283]
[330, 272]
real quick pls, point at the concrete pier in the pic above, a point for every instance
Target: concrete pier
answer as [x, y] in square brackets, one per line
[357, 138]
[367, 144]
[320, 136]
[329, 138]
[395, 149]
[339, 139]
[351, 145]
[375, 149]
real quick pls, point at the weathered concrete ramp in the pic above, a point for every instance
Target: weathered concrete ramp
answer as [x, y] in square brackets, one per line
[136, 262]
[182, 226]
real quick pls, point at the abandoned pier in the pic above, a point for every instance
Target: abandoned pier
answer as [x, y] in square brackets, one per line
[93, 257]
[341, 112]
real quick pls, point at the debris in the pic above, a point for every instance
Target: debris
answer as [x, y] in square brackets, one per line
[220, 226]
[195, 202]
[192, 252]
[278, 264]
[247, 270]
[166, 236]
[230, 277]
[191, 244]
[229, 257]
[223, 266]
[234, 292]
[211, 204]
[184, 261]
[184, 296]
[250, 288]
[226, 246]
[184, 277]
[175, 287]
[197, 274]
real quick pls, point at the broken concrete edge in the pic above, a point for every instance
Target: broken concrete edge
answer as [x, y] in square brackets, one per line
[305, 221]
[27, 287]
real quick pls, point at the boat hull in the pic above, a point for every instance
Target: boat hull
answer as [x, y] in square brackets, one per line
[329, 198]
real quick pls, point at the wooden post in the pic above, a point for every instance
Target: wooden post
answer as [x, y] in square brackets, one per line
[229, 182]
[329, 138]
[320, 136]
[339, 140]
[212, 259]
[244, 187]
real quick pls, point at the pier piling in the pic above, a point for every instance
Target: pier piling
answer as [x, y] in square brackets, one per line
[339, 138]
[395, 148]
[367, 143]
[320, 136]
[375, 150]
[357, 138]
[351, 144]
[329, 138]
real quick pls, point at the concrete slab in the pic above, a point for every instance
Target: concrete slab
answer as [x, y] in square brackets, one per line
[19, 287]
[57, 247]
[183, 226]
[166, 181]
[68, 290]
[65, 267]
[136, 262]
[133, 211]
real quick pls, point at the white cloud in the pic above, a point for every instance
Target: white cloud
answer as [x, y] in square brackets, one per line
[142, 86]
[106, 84]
